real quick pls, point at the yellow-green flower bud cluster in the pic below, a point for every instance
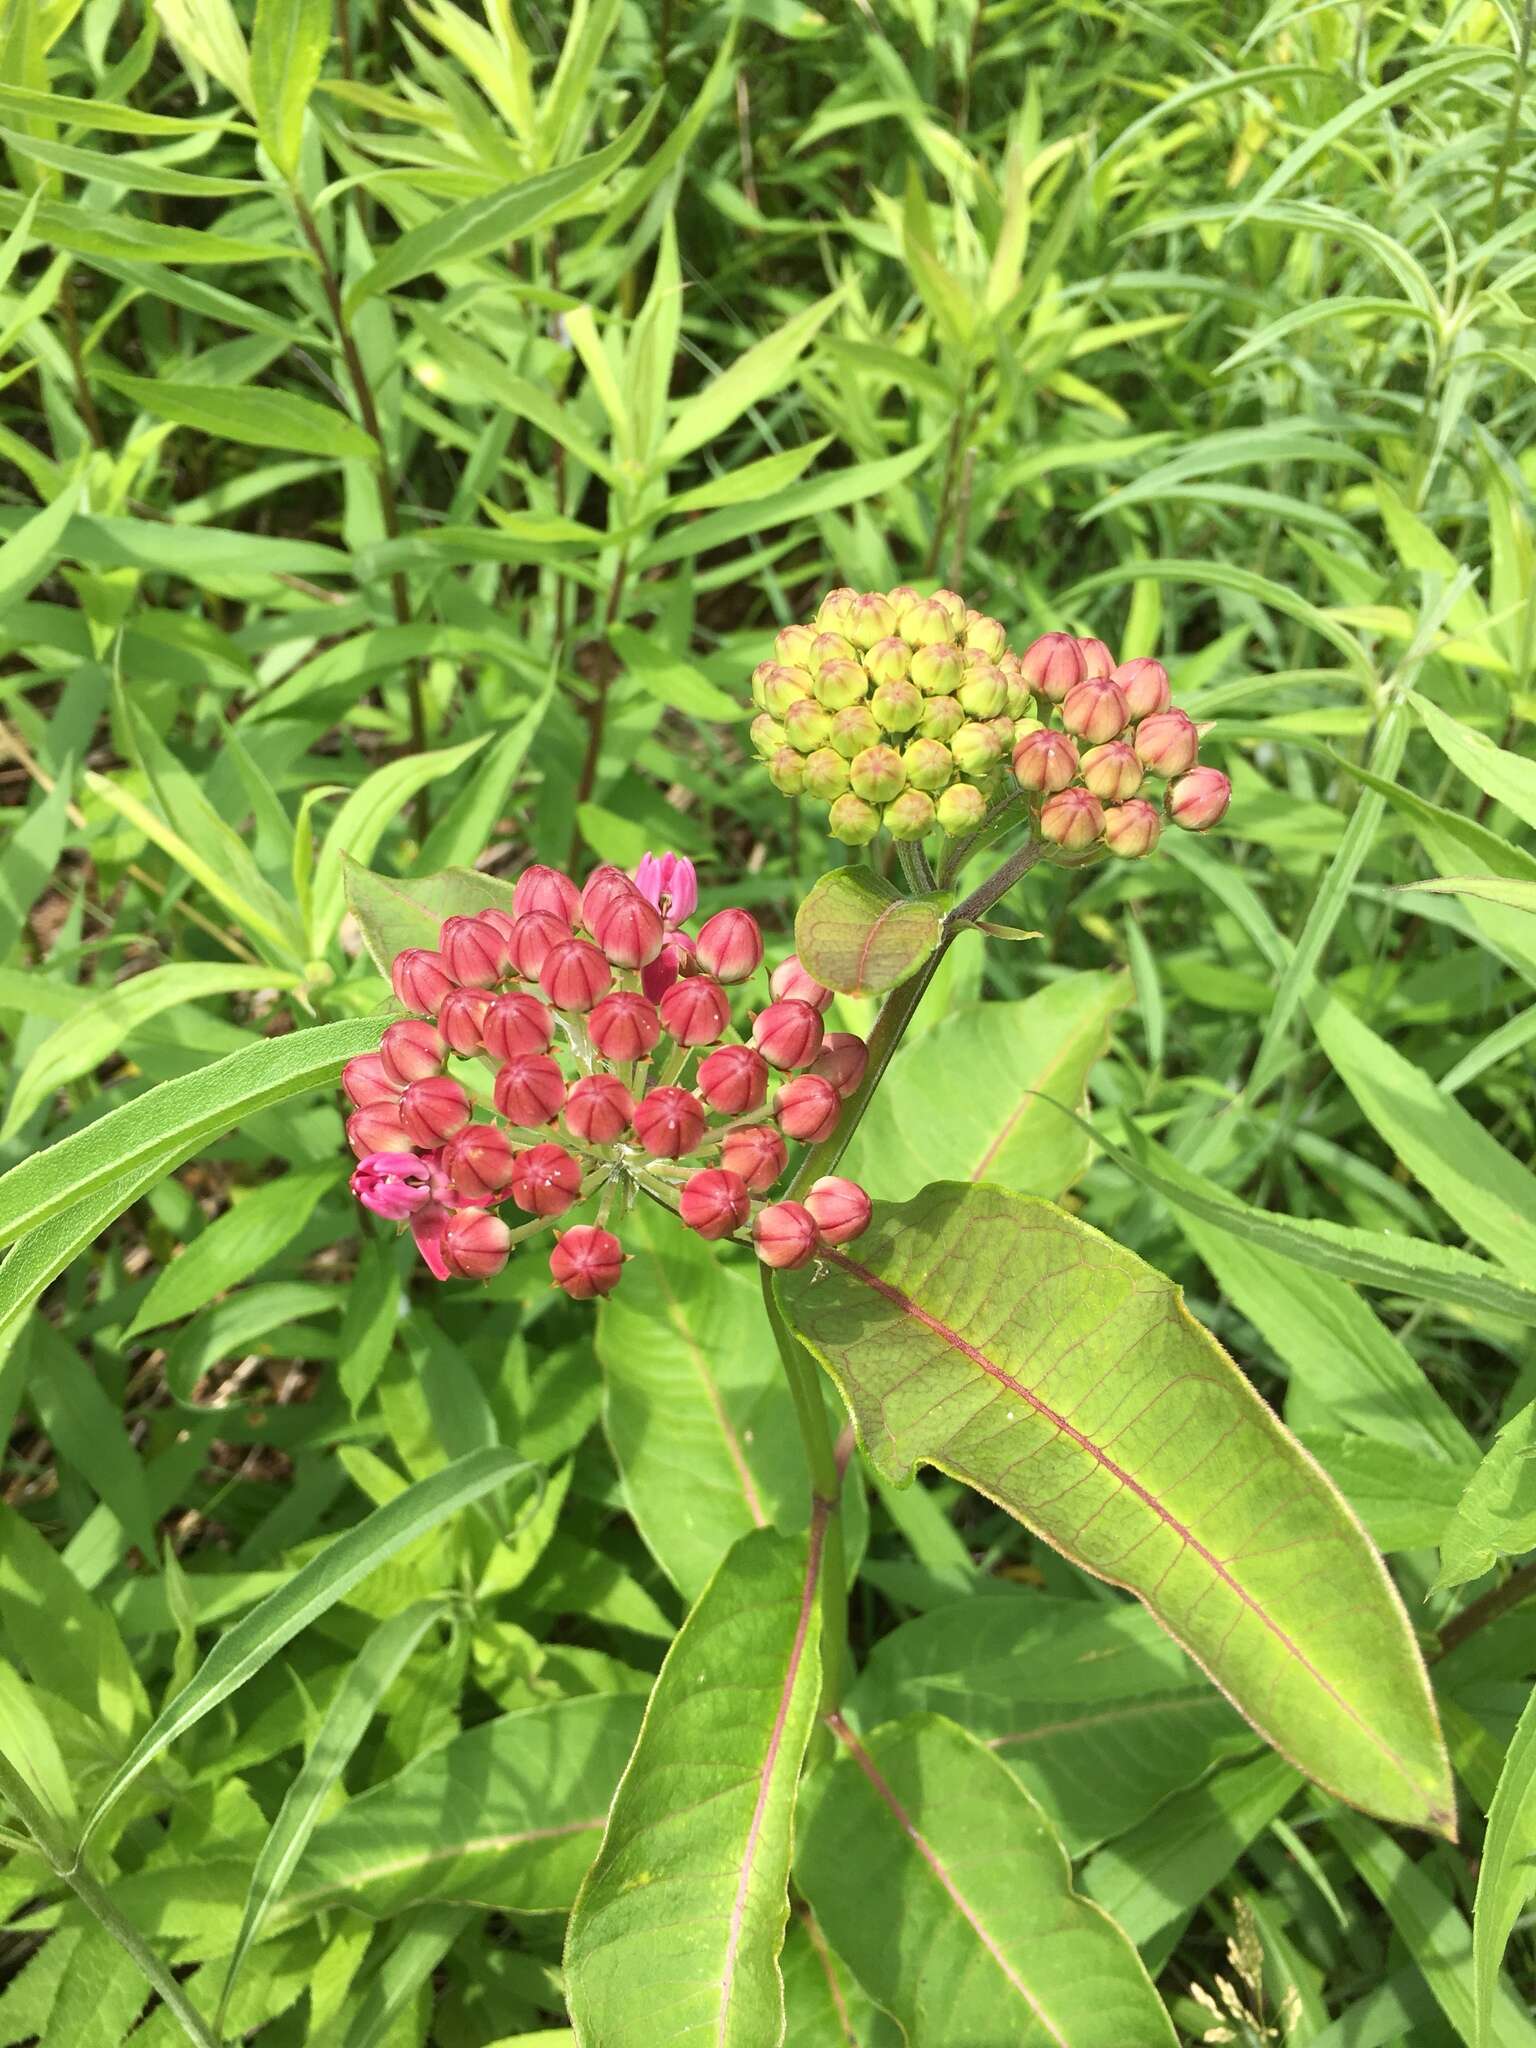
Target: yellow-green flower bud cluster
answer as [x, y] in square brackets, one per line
[892, 709]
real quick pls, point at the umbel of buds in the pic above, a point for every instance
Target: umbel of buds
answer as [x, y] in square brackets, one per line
[578, 1051]
[909, 713]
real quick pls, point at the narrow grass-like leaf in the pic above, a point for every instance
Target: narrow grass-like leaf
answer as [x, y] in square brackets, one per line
[308, 1593]
[259, 418]
[1003, 1341]
[753, 376]
[288, 45]
[1506, 1878]
[676, 1933]
[252, 1230]
[940, 1883]
[363, 819]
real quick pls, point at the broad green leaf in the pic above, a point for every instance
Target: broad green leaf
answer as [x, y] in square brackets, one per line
[31, 550]
[374, 1670]
[754, 376]
[676, 1932]
[1433, 1931]
[940, 1883]
[87, 1429]
[1089, 1704]
[1490, 1194]
[103, 1024]
[481, 225]
[254, 1228]
[1005, 1342]
[363, 820]
[395, 914]
[1506, 1877]
[506, 1815]
[1512, 895]
[671, 680]
[256, 417]
[1496, 1515]
[1404, 1497]
[32, 858]
[288, 45]
[696, 1407]
[29, 1745]
[976, 1099]
[68, 1641]
[100, 1998]
[305, 1595]
[1509, 778]
[155, 1132]
[856, 934]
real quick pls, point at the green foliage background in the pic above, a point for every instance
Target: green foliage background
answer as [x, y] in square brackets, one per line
[414, 423]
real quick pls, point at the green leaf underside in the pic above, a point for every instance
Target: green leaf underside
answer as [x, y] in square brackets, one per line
[676, 1934]
[856, 934]
[938, 1880]
[999, 1339]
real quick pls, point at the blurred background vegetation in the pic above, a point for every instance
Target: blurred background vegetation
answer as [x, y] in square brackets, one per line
[420, 477]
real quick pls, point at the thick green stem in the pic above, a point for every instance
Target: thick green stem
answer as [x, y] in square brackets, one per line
[826, 1469]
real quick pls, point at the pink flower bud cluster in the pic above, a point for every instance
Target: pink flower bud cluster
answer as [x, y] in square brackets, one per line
[1109, 728]
[892, 709]
[603, 1032]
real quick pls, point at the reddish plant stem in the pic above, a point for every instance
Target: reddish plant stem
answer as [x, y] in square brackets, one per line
[1519, 1587]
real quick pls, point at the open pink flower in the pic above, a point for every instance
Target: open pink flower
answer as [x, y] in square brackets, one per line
[393, 1184]
[668, 881]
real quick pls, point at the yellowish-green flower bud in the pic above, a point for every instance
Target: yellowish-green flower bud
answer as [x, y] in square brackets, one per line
[1020, 703]
[942, 718]
[835, 610]
[929, 764]
[841, 683]
[870, 618]
[826, 774]
[960, 809]
[889, 659]
[902, 597]
[786, 771]
[767, 735]
[986, 636]
[976, 748]
[925, 622]
[807, 726]
[775, 686]
[898, 707]
[877, 774]
[911, 816]
[955, 605]
[984, 691]
[853, 821]
[853, 730]
[830, 647]
[937, 668]
[792, 644]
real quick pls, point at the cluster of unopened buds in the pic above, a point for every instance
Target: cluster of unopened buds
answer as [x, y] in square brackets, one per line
[909, 712]
[602, 1031]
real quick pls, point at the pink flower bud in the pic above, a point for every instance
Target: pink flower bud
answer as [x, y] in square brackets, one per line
[757, 1153]
[676, 954]
[696, 1011]
[545, 1180]
[629, 930]
[671, 884]
[575, 974]
[624, 1026]
[547, 890]
[587, 1261]
[536, 936]
[790, 982]
[1097, 659]
[788, 1034]
[1112, 772]
[1144, 685]
[807, 1108]
[420, 979]
[392, 1184]
[841, 1209]
[411, 1049]
[669, 1122]
[433, 1108]
[1199, 799]
[598, 1109]
[734, 1079]
[475, 1245]
[842, 1060]
[1131, 829]
[367, 1080]
[461, 1019]
[1071, 819]
[601, 886]
[516, 1023]
[530, 1090]
[1044, 760]
[785, 1235]
[730, 946]
[1167, 742]
[1095, 710]
[715, 1202]
[1052, 664]
[478, 1161]
[378, 1129]
[476, 952]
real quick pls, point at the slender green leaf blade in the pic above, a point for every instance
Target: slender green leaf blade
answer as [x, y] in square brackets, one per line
[288, 46]
[1506, 1879]
[259, 418]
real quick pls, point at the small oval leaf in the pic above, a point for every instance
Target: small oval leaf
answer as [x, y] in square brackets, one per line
[395, 914]
[858, 935]
[998, 1338]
